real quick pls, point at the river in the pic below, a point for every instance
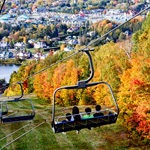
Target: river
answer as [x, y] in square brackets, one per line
[6, 71]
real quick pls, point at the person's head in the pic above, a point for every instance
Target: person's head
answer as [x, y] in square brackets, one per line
[68, 117]
[75, 110]
[98, 107]
[88, 110]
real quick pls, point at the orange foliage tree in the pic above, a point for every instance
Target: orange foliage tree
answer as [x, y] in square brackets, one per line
[133, 95]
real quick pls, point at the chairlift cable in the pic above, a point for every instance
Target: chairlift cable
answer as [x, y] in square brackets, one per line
[81, 48]
[15, 131]
[23, 135]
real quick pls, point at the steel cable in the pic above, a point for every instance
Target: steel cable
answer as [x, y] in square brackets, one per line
[22, 135]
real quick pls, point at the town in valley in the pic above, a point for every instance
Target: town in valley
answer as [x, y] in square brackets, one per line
[34, 29]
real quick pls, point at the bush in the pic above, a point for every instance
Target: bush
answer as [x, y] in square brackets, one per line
[139, 123]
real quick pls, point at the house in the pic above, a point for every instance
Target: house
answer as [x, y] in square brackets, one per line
[19, 55]
[23, 55]
[39, 45]
[2, 55]
[8, 16]
[73, 29]
[31, 41]
[4, 45]
[6, 55]
[68, 49]
[40, 10]
[27, 55]
[114, 11]
[20, 45]
[72, 42]
[23, 18]
[43, 56]
[55, 39]
[68, 37]
[39, 56]
[91, 33]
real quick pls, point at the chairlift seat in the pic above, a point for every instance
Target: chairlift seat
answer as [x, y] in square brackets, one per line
[85, 123]
[7, 119]
[17, 118]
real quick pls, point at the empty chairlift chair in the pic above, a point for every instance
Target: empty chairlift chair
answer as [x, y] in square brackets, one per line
[90, 122]
[22, 113]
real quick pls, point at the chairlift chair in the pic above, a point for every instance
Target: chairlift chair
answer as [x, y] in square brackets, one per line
[5, 118]
[84, 123]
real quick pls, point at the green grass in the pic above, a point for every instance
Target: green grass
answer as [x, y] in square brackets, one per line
[109, 137]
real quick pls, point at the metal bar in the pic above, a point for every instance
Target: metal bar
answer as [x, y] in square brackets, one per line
[53, 111]
[21, 92]
[2, 6]
[91, 66]
[12, 113]
[22, 135]
[14, 131]
[95, 83]
[104, 110]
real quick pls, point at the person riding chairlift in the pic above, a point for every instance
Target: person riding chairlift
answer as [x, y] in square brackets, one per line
[98, 113]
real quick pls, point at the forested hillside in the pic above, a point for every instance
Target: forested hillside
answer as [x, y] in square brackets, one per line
[124, 65]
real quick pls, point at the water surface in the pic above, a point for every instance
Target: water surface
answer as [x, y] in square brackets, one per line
[7, 70]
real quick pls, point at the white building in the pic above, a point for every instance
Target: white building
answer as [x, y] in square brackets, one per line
[68, 49]
[39, 45]
[72, 42]
[6, 55]
[31, 41]
[4, 45]
[91, 33]
[20, 45]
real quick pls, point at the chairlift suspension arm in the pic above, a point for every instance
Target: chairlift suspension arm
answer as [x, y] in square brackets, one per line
[91, 64]
[16, 99]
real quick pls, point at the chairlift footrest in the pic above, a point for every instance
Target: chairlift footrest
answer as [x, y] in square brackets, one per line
[84, 123]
